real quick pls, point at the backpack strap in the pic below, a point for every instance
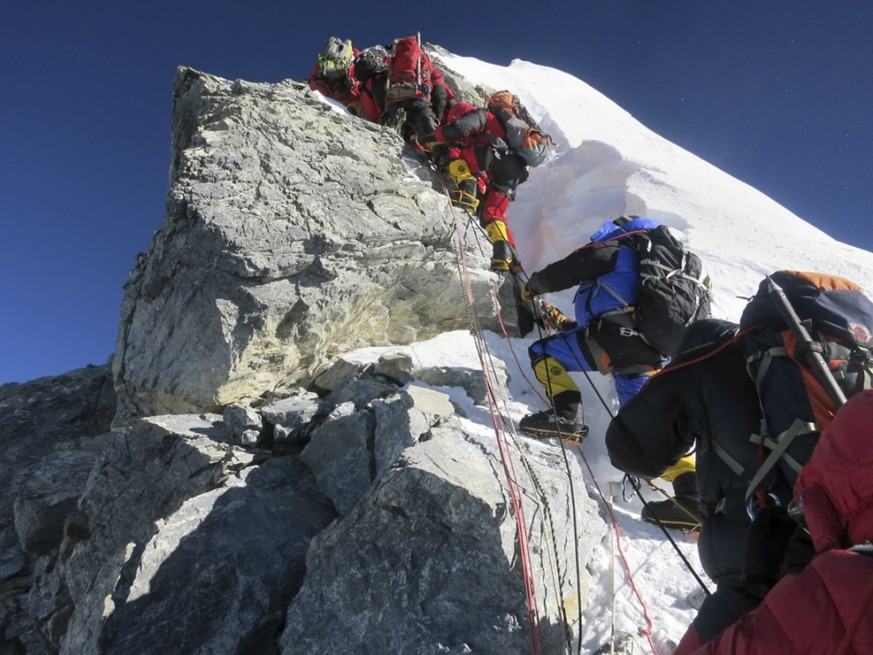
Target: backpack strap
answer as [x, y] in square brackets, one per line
[777, 450]
[783, 441]
[625, 305]
[726, 457]
[780, 444]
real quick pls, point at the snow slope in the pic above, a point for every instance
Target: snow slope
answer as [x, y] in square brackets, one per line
[608, 164]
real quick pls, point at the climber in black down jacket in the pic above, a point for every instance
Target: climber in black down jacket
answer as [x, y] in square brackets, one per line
[705, 400]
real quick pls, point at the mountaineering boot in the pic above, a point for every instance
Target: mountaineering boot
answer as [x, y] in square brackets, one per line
[547, 424]
[464, 193]
[503, 254]
[560, 388]
[681, 510]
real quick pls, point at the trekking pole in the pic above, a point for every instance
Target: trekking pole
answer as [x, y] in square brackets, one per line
[636, 485]
[811, 355]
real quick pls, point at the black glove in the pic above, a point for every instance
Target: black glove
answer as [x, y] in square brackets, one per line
[439, 154]
[526, 293]
[499, 146]
[767, 545]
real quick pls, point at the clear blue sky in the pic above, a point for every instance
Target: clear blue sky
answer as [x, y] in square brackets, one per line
[776, 92]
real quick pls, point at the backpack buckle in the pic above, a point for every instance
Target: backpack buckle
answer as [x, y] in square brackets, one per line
[752, 508]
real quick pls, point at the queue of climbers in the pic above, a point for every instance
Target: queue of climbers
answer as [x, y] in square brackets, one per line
[732, 415]
[764, 427]
[484, 153]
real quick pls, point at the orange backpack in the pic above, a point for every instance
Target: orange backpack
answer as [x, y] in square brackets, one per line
[523, 134]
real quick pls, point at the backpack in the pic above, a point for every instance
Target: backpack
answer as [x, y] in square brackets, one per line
[523, 134]
[807, 338]
[408, 71]
[673, 290]
[370, 62]
[335, 59]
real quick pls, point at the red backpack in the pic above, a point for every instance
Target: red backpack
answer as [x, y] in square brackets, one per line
[408, 71]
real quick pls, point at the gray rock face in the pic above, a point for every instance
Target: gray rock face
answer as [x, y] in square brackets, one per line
[319, 506]
[292, 233]
[428, 559]
[289, 417]
[61, 412]
[179, 542]
[118, 534]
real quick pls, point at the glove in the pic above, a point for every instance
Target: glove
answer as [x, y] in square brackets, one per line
[767, 545]
[499, 146]
[554, 319]
[439, 154]
[526, 293]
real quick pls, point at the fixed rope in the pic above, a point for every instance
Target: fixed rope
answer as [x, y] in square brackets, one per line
[649, 629]
[514, 486]
[503, 446]
[660, 524]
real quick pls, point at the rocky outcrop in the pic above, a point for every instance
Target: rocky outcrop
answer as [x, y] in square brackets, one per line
[385, 525]
[257, 492]
[292, 233]
[429, 556]
[50, 415]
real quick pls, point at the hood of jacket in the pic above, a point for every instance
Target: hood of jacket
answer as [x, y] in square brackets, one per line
[609, 229]
[836, 484]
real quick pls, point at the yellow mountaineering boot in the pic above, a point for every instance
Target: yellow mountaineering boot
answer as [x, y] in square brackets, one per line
[464, 193]
[503, 254]
[559, 421]
[681, 510]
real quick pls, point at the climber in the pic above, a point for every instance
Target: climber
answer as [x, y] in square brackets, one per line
[333, 74]
[826, 607]
[471, 149]
[371, 71]
[611, 336]
[703, 399]
[598, 340]
[416, 95]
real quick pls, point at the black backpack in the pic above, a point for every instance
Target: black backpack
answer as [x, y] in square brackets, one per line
[807, 338]
[370, 62]
[674, 289]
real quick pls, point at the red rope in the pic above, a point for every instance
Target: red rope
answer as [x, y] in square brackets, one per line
[509, 467]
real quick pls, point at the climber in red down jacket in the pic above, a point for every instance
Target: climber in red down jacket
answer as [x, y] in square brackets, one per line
[828, 607]
[471, 146]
